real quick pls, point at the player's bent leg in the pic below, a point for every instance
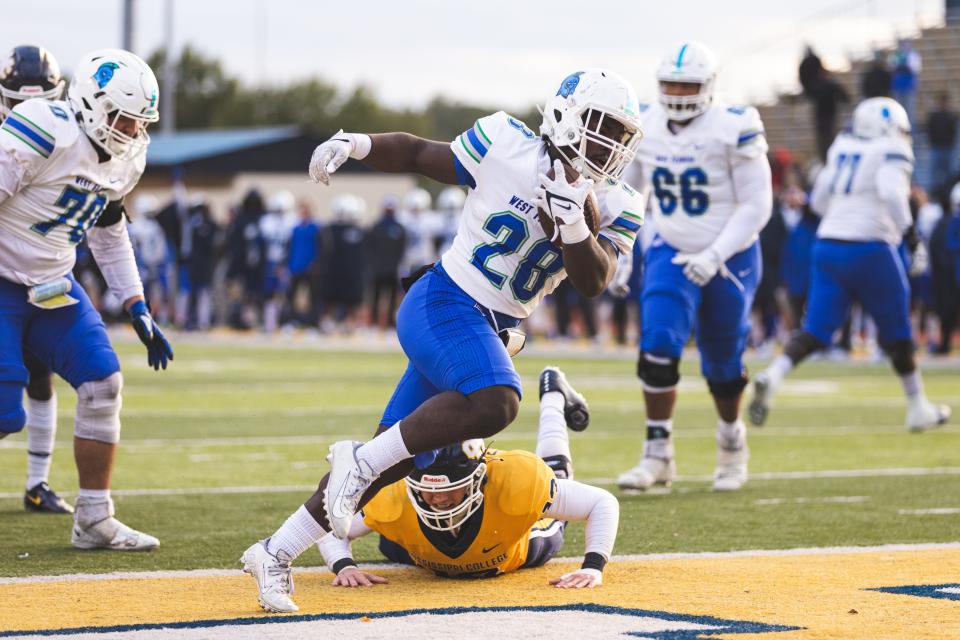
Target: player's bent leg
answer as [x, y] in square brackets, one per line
[798, 348]
[546, 540]
[393, 551]
[660, 375]
[733, 454]
[922, 415]
[576, 413]
[561, 408]
[41, 432]
[273, 575]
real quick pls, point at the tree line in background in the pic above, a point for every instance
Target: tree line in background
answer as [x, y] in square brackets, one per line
[208, 97]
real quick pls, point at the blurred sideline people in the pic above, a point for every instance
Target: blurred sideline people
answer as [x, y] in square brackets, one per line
[343, 263]
[386, 243]
[302, 266]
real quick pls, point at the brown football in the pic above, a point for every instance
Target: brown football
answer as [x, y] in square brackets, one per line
[591, 209]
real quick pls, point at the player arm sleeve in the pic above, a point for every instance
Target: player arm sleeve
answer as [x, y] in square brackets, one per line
[893, 188]
[110, 245]
[622, 211]
[820, 194]
[577, 501]
[12, 175]
[338, 553]
[471, 147]
[752, 183]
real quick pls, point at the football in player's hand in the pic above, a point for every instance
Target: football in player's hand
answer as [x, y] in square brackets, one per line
[591, 208]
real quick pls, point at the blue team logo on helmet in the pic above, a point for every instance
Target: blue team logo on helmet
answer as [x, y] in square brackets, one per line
[569, 84]
[104, 73]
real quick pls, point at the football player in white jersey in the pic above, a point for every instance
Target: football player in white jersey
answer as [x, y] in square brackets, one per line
[457, 323]
[863, 195]
[65, 167]
[32, 72]
[705, 163]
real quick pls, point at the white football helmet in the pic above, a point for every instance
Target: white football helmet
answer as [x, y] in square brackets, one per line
[451, 200]
[689, 62]
[581, 114]
[110, 84]
[880, 117]
[459, 466]
[282, 202]
[417, 200]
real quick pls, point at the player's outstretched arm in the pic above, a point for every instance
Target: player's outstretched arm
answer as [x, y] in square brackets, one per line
[577, 501]
[387, 152]
[338, 555]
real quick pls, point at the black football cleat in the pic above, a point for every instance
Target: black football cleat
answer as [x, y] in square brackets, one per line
[575, 409]
[43, 499]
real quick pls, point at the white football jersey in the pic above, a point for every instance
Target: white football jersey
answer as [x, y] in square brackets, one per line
[55, 188]
[688, 174]
[500, 255]
[855, 210]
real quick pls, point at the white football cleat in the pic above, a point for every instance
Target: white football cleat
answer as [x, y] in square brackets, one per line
[759, 407]
[923, 415]
[273, 575]
[731, 471]
[649, 472]
[94, 527]
[349, 479]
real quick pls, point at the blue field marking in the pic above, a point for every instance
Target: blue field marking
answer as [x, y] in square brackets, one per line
[925, 591]
[723, 626]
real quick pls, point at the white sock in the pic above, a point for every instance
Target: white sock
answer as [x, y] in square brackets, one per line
[41, 431]
[296, 535]
[779, 368]
[384, 451]
[94, 494]
[552, 437]
[731, 436]
[912, 384]
[659, 447]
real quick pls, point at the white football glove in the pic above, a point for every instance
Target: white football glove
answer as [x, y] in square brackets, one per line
[328, 157]
[699, 268]
[564, 202]
[579, 579]
[618, 286]
[919, 261]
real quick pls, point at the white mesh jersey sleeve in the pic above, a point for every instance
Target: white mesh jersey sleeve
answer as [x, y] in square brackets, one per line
[621, 214]
[113, 253]
[472, 146]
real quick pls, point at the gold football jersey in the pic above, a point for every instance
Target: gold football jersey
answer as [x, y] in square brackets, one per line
[519, 489]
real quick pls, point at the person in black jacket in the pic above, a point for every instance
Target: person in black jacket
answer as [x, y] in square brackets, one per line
[943, 266]
[343, 261]
[876, 80]
[201, 263]
[385, 243]
[246, 258]
[942, 134]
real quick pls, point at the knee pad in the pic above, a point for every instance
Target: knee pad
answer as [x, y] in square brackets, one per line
[659, 374]
[901, 355]
[723, 389]
[98, 409]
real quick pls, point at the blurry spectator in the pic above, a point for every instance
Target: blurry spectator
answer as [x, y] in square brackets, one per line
[449, 208]
[565, 298]
[385, 245]
[200, 265]
[953, 12]
[245, 259]
[827, 98]
[276, 225]
[620, 314]
[422, 228]
[797, 254]
[906, 63]
[945, 268]
[877, 79]
[781, 166]
[342, 261]
[773, 239]
[302, 265]
[942, 134]
[810, 72]
[153, 257]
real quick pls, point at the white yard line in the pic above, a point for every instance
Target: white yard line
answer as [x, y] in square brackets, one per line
[779, 475]
[204, 573]
[942, 511]
[827, 499]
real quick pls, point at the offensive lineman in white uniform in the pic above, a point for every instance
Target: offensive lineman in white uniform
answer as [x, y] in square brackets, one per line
[706, 165]
[65, 167]
[863, 195]
[457, 322]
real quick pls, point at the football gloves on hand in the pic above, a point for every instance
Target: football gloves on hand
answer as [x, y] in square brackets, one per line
[564, 203]
[699, 268]
[159, 350]
[328, 157]
[919, 260]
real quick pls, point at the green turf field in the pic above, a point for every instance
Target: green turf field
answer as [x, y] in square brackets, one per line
[226, 443]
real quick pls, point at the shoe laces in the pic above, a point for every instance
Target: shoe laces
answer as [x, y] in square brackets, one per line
[281, 575]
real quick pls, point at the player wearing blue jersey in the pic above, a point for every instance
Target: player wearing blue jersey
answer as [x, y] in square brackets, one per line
[65, 167]
[457, 324]
[705, 163]
[863, 196]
